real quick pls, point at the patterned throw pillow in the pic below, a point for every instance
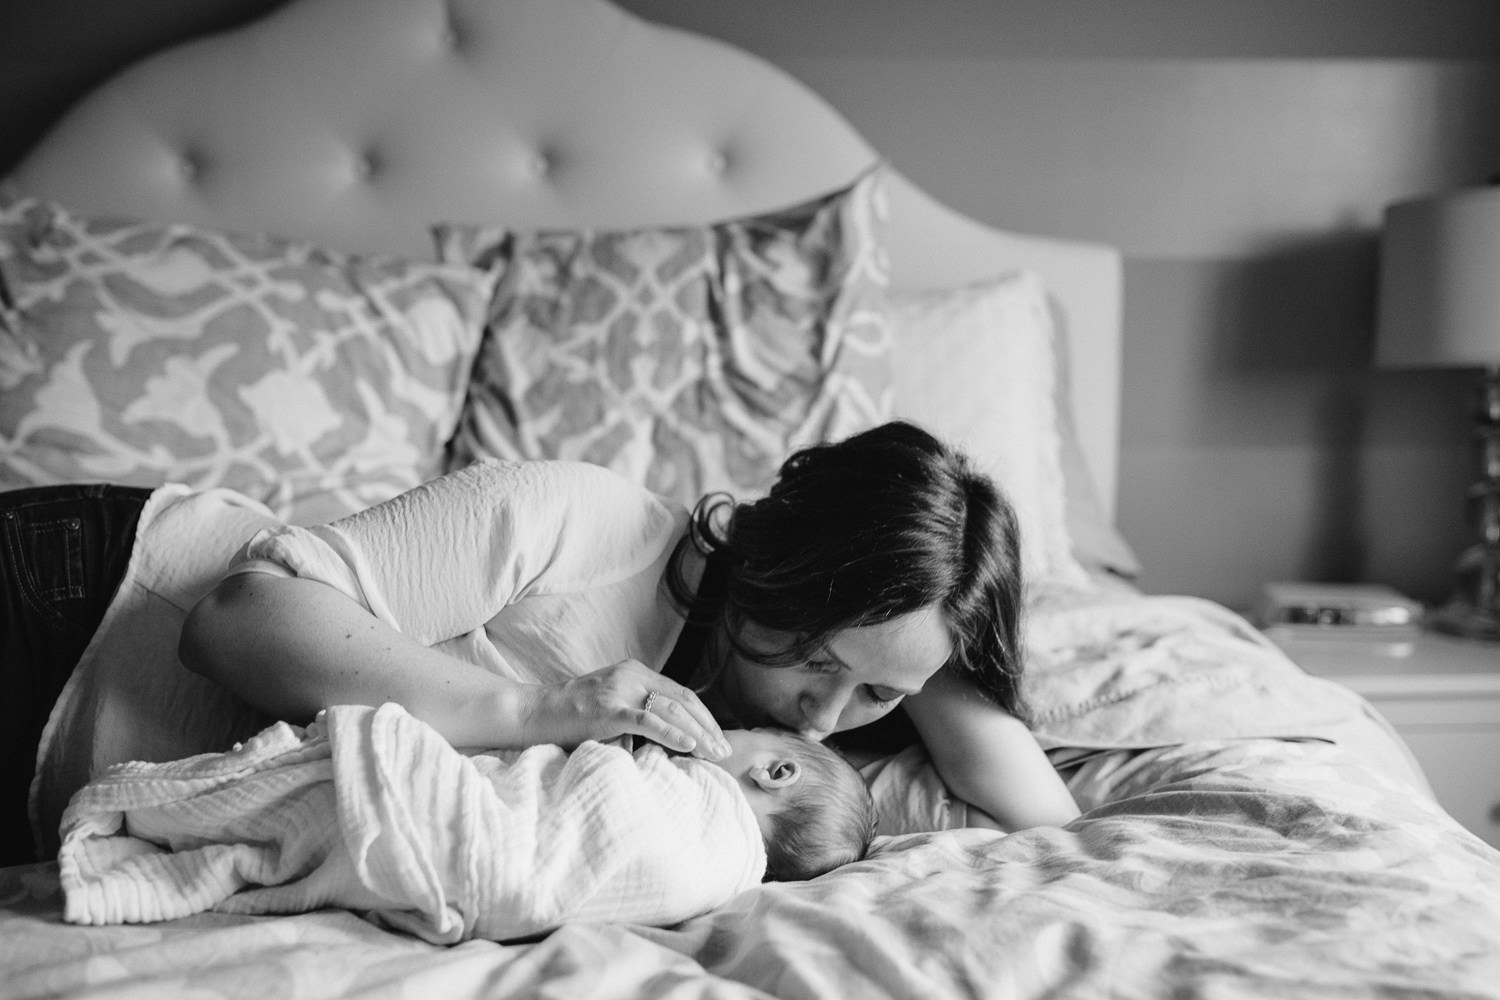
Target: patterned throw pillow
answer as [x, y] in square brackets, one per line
[690, 359]
[140, 352]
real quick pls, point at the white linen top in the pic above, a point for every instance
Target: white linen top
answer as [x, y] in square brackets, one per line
[539, 571]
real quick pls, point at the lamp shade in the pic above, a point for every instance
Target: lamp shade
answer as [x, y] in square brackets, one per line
[1440, 282]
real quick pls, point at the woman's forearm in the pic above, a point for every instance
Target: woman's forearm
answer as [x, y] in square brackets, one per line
[1029, 794]
[989, 758]
[291, 647]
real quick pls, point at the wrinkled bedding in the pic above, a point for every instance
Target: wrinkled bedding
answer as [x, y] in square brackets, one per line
[1303, 861]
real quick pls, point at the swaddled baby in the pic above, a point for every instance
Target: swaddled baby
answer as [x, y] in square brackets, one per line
[371, 810]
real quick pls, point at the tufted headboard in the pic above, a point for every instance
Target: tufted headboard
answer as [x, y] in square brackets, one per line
[355, 124]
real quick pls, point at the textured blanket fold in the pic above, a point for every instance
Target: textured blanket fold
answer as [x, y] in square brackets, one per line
[1127, 671]
[372, 810]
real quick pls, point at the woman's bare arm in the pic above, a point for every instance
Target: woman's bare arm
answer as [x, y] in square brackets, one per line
[291, 647]
[988, 757]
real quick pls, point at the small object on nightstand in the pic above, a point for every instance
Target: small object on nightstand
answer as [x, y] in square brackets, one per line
[1340, 613]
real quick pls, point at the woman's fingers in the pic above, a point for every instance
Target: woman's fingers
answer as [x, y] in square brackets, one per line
[626, 697]
[674, 717]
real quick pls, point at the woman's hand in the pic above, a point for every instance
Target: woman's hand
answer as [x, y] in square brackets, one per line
[626, 697]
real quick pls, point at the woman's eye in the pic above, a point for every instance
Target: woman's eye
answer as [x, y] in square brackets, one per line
[822, 666]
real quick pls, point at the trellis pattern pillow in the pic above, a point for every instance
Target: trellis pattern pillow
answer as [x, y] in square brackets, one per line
[690, 359]
[139, 353]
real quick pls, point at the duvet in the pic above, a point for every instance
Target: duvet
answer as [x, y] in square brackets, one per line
[1248, 831]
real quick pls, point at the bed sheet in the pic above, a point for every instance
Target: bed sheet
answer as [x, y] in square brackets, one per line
[1233, 868]
[1277, 865]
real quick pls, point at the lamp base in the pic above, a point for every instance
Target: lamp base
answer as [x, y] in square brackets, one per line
[1474, 611]
[1457, 618]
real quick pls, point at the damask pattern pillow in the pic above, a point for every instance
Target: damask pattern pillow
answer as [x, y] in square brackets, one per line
[140, 353]
[690, 359]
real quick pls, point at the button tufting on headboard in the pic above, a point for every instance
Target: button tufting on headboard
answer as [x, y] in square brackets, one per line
[579, 110]
[367, 164]
[451, 35]
[190, 166]
[541, 164]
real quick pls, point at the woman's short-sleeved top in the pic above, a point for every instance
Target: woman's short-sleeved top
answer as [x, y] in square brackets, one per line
[539, 571]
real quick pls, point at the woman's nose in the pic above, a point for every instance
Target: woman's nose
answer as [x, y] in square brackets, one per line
[820, 715]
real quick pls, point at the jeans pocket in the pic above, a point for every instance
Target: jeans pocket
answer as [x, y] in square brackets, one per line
[46, 560]
[56, 562]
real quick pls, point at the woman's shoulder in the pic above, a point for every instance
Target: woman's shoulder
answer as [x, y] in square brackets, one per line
[592, 526]
[554, 480]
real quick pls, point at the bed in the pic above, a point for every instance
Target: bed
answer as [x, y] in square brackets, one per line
[318, 259]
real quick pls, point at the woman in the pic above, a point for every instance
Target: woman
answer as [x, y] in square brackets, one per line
[515, 604]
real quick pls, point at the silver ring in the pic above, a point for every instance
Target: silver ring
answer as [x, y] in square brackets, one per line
[650, 701]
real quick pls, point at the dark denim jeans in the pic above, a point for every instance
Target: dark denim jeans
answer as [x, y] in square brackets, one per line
[63, 552]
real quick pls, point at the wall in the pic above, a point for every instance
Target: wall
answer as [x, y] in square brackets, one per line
[51, 51]
[1238, 151]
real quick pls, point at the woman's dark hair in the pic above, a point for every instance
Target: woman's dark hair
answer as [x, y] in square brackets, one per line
[863, 530]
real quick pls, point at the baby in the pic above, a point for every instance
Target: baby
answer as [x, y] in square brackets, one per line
[812, 806]
[371, 810]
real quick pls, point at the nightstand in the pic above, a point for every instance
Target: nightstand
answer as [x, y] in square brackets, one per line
[1443, 696]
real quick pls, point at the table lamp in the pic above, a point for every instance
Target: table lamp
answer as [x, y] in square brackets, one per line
[1440, 308]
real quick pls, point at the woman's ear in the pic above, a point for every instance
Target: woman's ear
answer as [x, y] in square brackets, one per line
[776, 775]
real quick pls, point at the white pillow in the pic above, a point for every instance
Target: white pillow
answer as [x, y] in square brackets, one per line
[974, 365]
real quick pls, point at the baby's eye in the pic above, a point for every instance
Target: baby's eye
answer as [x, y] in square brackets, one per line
[882, 696]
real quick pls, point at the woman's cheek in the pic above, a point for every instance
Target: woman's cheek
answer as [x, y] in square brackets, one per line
[754, 693]
[778, 696]
[773, 697]
[862, 715]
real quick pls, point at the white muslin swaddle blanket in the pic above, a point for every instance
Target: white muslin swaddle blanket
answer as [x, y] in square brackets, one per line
[370, 809]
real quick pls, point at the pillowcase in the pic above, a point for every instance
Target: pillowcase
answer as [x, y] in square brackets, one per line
[141, 352]
[690, 359]
[974, 365]
[1097, 543]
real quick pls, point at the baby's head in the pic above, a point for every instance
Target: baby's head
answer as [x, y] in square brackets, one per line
[814, 810]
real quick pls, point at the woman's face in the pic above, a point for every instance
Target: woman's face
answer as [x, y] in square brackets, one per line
[859, 676]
